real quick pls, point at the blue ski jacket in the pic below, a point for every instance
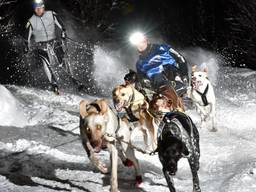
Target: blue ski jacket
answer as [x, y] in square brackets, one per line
[152, 60]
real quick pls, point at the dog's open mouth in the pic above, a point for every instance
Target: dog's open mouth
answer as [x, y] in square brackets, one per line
[119, 106]
[172, 173]
[97, 146]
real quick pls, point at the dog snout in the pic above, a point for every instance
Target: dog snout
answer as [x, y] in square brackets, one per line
[116, 100]
[172, 167]
[95, 143]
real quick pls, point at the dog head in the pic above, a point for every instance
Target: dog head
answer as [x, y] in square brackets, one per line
[160, 104]
[95, 121]
[122, 95]
[198, 76]
[170, 151]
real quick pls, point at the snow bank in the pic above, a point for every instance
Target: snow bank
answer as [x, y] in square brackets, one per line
[11, 113]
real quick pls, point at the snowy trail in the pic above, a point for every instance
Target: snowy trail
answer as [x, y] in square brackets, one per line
[48, 155]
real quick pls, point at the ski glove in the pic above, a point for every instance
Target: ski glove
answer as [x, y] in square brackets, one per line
[63, 35]
[131, 77]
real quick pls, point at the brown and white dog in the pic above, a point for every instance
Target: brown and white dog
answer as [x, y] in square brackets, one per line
[133, 103]
[202, 95]
[99, 128]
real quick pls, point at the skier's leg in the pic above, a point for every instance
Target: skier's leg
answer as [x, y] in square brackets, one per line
[59, 52]
[49, 73]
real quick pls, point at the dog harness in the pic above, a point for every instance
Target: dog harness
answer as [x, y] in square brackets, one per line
[172, 125]
[203, 95]
[131, 117]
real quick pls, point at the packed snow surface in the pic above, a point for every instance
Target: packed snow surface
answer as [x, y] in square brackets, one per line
[47, 155]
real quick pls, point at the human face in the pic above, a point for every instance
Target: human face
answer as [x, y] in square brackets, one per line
[39, 11]
[142, 46]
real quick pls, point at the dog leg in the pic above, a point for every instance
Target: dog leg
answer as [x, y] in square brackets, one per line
[169, 181]
[202, 113]
[196, 187]
[152, 132]
[90, 152]
[124, 133]
[113, 159]
[212, 115]
[145, 138]
[131, 155]
[129, 152]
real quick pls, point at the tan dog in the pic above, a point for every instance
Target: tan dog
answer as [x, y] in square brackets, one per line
[99, 128]
[127, 99]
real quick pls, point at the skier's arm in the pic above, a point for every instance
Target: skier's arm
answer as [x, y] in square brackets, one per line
[181, 62]
[29, 30]
[58, 22]
[177, 55]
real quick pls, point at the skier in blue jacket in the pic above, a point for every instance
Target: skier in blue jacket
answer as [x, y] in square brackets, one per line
[160, 63]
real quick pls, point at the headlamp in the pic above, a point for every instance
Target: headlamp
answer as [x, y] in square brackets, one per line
[38, 3]
[137, 38]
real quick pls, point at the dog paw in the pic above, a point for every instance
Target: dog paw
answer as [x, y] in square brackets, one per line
[103, 168]
[197, 190]
[114, 189]
[139, 182]
[128, 163]
[214, 129]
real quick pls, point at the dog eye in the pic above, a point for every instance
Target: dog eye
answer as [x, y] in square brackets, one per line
[122, 94]
[98, 127]
[200, 75]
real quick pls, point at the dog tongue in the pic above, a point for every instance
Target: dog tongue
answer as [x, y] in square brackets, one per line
[119, 107]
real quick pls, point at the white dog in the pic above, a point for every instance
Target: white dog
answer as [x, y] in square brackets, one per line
[100, 128]
[202, 95]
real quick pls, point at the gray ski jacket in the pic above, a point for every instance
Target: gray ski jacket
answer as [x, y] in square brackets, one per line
[43, 28]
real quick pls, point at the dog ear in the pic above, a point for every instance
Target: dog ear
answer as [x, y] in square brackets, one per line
[83, 108]
[194, 67]
[205, 70]
[103, 104]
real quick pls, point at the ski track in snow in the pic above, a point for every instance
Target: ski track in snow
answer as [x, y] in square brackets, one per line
[51, 158]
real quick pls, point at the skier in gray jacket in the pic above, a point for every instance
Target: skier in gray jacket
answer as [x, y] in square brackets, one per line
[42, 27]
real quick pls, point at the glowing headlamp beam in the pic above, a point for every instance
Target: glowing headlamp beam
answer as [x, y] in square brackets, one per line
[137, 38]
[38, 1]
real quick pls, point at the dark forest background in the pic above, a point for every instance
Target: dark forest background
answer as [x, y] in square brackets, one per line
[227, 27]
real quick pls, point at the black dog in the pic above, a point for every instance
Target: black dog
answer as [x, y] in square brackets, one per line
[178, 138]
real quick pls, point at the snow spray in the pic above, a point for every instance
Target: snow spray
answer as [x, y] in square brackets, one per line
[203, 58]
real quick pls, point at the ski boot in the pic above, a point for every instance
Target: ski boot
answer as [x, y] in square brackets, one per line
[55, 88]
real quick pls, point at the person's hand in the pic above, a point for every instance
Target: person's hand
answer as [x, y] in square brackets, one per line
[27, 49]
[63, 35]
